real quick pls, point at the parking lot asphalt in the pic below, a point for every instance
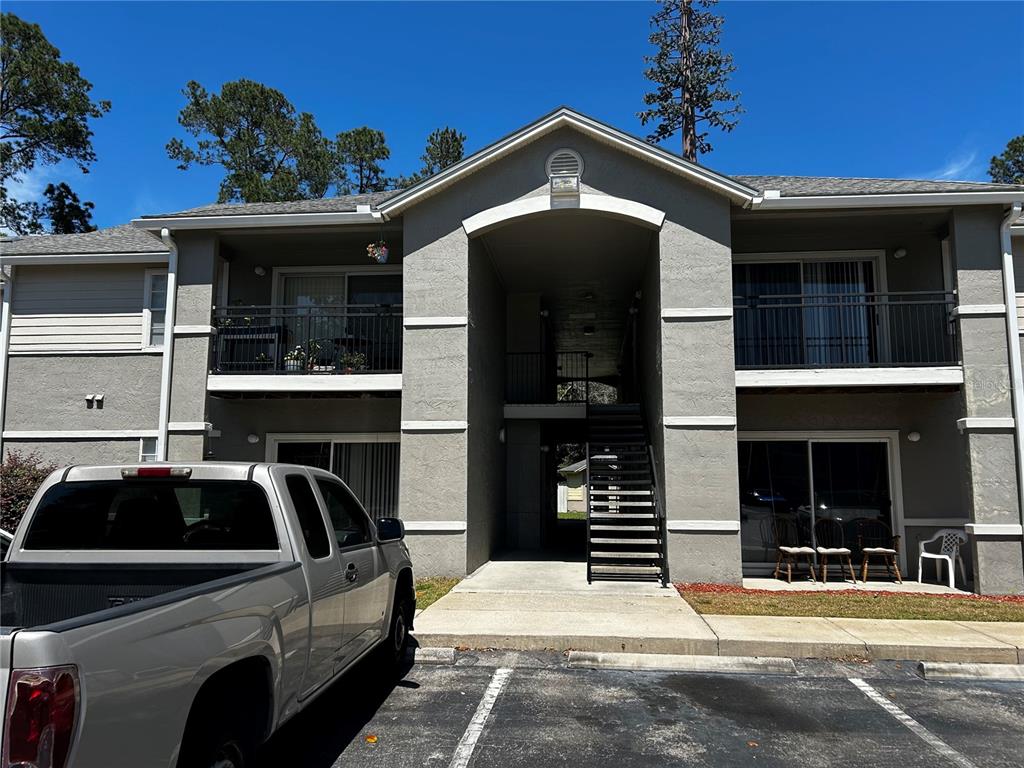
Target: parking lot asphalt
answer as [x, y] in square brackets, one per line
[509, 709]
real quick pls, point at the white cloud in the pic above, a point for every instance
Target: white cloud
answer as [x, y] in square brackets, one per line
[960, 166]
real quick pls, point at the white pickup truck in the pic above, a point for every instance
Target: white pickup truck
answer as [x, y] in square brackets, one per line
[172, 615]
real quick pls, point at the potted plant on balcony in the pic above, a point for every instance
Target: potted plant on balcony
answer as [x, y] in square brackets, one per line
[295, 360]
[350, 362]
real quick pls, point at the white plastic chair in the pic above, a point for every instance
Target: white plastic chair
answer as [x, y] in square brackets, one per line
[952, 540]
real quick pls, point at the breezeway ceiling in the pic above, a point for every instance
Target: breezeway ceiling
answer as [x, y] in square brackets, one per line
[587, 269]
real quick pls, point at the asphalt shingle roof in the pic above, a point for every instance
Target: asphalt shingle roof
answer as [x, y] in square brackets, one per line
[121, 239]
[340, 204]
[797, 186]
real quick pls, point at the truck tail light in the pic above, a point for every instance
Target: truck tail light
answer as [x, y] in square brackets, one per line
[42, 705]
[129, 473]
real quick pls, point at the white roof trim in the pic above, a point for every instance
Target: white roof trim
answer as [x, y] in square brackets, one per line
[616, 207]
[134, 257]
[563, 118]
[895, 200]
[248, 220]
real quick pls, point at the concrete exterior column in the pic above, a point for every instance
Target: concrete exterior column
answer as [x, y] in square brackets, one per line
[987, 416]
[435, 394]
[197, 264]
[697, 434]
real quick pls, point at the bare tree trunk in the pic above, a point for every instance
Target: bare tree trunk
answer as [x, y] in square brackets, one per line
[689, 123]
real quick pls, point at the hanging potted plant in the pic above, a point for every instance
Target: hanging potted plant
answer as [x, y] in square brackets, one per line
[295, 360]
[378, 251]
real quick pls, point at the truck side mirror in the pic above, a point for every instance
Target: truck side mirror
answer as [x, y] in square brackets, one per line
[390, 529]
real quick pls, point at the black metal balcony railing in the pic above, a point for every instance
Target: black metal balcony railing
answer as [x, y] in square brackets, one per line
[845, 330]
[353, 338]
[560, 377]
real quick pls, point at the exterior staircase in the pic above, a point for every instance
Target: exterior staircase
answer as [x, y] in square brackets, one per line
[626, 537]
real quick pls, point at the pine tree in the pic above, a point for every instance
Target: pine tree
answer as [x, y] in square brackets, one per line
[690, 75]
[1008, 168]
[360, 154]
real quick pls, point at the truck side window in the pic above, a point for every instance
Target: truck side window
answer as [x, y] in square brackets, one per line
[351, 526]
[308, 512]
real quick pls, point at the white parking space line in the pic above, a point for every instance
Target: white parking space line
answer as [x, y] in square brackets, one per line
[919, 730]
[464, 751]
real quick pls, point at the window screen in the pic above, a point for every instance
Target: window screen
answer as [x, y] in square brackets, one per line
[351, 527]
[153, 514]
[308, 511]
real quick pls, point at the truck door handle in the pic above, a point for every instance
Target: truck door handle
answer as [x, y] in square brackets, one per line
[352, 573]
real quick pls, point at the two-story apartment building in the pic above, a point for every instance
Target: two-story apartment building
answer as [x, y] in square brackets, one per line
[741, 362]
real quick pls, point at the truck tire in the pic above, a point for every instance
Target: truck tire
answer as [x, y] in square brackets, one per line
[218, 738]
[397, 642]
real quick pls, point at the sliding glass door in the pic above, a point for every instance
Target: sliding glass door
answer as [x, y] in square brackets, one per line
[369, 467]
[811, 313]
[810, 491]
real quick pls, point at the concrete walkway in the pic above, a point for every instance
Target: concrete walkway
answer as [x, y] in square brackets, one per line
[548, 605]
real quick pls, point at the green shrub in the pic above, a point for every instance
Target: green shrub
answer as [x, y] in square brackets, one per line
[21, 474]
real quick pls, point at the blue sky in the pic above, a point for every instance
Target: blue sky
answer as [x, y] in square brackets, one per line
[850, 89]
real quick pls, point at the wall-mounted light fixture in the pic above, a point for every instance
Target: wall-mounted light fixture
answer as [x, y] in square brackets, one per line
[914, 437]
[259, 270]
[252, 439]
[899, 253]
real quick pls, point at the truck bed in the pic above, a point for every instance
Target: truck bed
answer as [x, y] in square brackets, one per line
[34, 595]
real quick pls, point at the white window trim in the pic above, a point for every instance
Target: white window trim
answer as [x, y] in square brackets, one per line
[274, 439]
[147, 315]
[142, 449]
[277, 273]
[888, 436]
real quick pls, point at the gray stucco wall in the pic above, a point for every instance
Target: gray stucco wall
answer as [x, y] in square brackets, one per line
[990, 452]
[237, 419]
[48, 392]
[65, 452]
[197, 264]
[486, 502]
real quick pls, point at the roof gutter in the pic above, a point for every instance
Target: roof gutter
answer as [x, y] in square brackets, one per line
[252, 221]
[916, 199]
[5, 343]
[1013, 339]
[167, 363]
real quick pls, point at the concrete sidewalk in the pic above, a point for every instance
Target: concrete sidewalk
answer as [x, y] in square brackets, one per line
[549, 606]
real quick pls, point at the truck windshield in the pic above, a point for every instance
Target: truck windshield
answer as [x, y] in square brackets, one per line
[171, 514]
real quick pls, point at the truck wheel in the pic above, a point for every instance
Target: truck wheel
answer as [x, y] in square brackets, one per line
[219, 742]
[398, 636]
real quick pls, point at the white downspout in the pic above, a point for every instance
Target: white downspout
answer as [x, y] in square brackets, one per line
[1013, 334]
[5, 345]
[168, 356]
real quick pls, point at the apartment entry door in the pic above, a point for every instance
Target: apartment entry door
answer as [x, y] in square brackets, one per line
[805, 491]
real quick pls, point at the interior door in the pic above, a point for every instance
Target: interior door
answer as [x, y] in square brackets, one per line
[324, 577]
[366, 574]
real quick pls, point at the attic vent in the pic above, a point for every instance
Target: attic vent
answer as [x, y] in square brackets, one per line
[565, 162]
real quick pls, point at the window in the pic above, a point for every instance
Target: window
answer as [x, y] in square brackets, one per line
[154, 308]
[308, 511]
[153, 515]
[147, 449]
[351, 527]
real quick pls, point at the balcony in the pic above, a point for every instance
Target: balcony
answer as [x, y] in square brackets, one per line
[546, 385]
[303, 342]
[845, 331]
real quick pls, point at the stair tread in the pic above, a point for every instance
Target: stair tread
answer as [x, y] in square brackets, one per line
[620, 493]
[627, 555]
[621, 515]
[622, 503]
[603, 540]
[612, 528]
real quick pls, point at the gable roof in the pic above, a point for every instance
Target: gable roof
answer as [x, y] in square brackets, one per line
[564, 117]
[122, 239]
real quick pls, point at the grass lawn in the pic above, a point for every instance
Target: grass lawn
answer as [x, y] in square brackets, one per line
[736, 601]
[429, 591]
[572, 514]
